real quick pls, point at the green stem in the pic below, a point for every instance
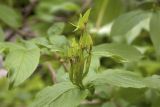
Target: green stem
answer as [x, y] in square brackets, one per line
[88, 61]
[101, 13]
[71, 72]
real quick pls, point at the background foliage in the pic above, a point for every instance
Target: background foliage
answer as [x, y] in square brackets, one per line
[125, 65]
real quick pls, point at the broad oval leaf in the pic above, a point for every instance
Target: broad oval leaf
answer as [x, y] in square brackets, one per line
[135, 31]
[53, 96]
[21, 63]
[153, 82]
[119, 78]
[9, 46]
[41, 41]
[123, 78]
[121, 52]
[10, 16]
[72, 98]
[58, 42]
[128, 21]
[56, 29]
[155, 32]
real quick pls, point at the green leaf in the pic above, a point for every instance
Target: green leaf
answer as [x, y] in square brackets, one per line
[123, 78]
[95, 63]
[118, 78]
[49, 94]
[128, 21]
[41, 41]
[21, 63]
[56, 29]
[65, 6]
[120, 52]
[82, 20]
[154, 31]
[53, 96]
[8, 46]
[80, 24]
[105, 11]
[58, 42]
[71, 98]
[86, 16]
[132, 95]
[10, 16]
[153, 81]
[134, 32]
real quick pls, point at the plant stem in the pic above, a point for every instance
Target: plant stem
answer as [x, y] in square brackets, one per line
[51, 71]
[101, 13]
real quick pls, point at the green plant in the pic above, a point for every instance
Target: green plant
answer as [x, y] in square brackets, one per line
[22, 60]
[84, 76]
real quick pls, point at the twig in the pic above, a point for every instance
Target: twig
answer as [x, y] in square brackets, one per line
[9, 34]
[57, 57]
[27, 11]
[13, 32]
[64, 65]
[101, 13]
[24, 34]
[51, 71]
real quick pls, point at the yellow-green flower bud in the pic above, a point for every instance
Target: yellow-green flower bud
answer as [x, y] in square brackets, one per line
[86, 41]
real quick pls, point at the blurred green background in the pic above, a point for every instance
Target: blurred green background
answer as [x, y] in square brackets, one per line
[27, 19]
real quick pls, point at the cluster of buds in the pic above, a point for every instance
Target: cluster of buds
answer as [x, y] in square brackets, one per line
[86, 41]
[79, 52]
